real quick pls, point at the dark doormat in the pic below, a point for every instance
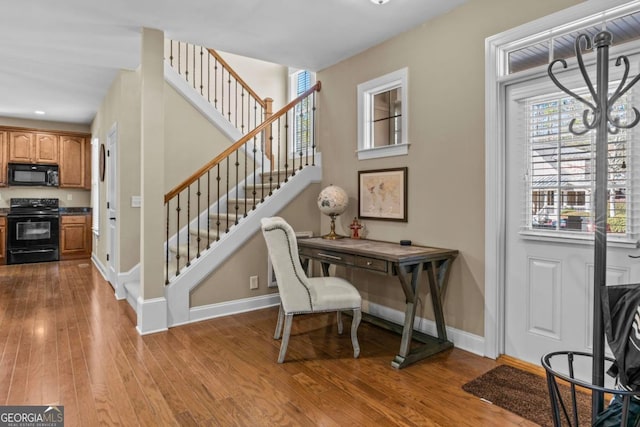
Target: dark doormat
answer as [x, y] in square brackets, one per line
[524, 394]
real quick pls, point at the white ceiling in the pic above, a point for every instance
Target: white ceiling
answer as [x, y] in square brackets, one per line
[60, 56]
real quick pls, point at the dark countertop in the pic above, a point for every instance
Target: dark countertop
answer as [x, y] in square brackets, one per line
[75, 211]
[63, 211]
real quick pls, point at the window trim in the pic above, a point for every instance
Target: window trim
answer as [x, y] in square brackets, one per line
[365, 93]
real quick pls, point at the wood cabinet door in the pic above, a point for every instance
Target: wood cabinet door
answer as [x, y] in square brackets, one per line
[46, 150]
[74, 237]
[72, 161]
[3, 159]
[21, 147]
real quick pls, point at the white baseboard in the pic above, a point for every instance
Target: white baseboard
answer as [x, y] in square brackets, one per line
[211, 311]
[101, 268]
[461, 339]
[152, 315]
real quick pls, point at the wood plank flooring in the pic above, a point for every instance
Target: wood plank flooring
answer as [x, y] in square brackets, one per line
[65, 340]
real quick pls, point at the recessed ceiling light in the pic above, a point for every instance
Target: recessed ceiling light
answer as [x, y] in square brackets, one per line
[39, 112]
[379, 1]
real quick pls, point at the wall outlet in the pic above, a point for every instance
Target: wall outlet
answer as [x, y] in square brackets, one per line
[69, 196]
[253, 282]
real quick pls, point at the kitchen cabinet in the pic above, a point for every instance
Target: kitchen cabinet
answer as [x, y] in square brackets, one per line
[75, 237]
[69, 150]
[21, 147]
[33, 147]
[3, 159]
[72, 161]
[3, 239]
[46, 148]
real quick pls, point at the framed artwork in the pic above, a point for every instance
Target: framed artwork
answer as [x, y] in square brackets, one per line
[382, 194]
[102, 162]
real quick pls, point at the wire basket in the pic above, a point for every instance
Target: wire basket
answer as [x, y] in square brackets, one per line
[622, 408]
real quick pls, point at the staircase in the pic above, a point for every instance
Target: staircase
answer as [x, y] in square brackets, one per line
[218, 208]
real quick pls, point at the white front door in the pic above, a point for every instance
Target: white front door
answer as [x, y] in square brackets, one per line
[112, 182]
[549, 281]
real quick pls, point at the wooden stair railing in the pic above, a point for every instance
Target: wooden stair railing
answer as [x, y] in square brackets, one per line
[288, 133]
[215, 80]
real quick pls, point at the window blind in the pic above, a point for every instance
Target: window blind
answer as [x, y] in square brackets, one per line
[561, 168]
[302, 121]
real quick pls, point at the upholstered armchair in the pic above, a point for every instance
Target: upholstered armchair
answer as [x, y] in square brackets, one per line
[300, 294]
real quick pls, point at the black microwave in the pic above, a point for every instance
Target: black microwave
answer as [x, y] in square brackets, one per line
[32, 175]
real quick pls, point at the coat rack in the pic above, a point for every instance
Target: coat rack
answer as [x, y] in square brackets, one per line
[597, 115]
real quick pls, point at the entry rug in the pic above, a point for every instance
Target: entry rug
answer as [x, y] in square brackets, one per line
[524, 394]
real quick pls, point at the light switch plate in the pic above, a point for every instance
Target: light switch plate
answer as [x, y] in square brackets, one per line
[136, 201]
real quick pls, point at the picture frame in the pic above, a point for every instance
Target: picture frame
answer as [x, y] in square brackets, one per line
[382, 194]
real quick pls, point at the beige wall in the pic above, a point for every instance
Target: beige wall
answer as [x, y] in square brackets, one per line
[445, 58]
[68, 197]
[231, 280]
[190, 139]
[121, 106]
[267, 79]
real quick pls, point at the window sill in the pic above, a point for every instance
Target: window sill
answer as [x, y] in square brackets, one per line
[388, 151]
[576, 238]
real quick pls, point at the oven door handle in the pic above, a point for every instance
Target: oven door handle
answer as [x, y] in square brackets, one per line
[30, 251]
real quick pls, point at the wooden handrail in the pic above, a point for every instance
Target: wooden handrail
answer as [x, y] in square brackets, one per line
[194, 177]
[235, 75]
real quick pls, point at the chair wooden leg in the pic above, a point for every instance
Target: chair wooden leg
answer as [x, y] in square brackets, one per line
[357, 316]
[285, 337]
[339, 316]
[278, 333]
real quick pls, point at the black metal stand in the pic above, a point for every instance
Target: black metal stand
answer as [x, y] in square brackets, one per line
[597, 115]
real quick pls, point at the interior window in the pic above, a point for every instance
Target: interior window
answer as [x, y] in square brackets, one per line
[382, 116]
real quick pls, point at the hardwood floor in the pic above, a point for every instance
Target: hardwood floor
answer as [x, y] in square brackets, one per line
[65, 340]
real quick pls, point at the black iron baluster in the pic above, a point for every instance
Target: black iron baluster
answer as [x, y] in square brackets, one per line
[222, 90]
[241, 111]
[313, 148]
[264, 149]
[166, 279]
[188, 224]
[194, 66]
[218, 205]
[227, 193]
[307, 131]
[208, 77]
[235, 118]
[208, 208]
[301, 136]
[255, 169]
[215, 83]
[270, 164]
[279, 153]
[198, 220]
[246, 166]
[178, 234]
[179, 60]
[286, 146]
[186, 62]
[201, 72]
[229, 96]
[171, 52]
[237, 185]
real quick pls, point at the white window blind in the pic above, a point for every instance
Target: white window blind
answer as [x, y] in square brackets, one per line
[561, 168]
[303, 115]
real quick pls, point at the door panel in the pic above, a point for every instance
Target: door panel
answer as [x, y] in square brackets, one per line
[548, 281]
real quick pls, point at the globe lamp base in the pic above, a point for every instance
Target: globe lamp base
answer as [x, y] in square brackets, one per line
[332, 233]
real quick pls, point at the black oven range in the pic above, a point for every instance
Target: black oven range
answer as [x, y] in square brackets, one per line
[33, 230]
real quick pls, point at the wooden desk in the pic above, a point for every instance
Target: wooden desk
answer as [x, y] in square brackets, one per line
[406, 262]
